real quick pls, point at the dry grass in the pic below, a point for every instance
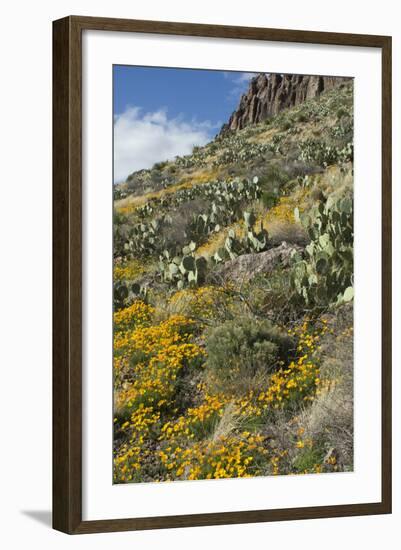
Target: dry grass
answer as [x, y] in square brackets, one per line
[293, 233]
[329, 420]
[330, 417]
[265, 136]
[337, 182]
[201, 175]
[134, 201]
[325, 426]
[128, 204]
[217, 240]
[227, 424]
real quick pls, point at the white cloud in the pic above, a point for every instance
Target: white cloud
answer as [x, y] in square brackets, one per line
[240, 83]
[243, 78]
[238, 78]
[140, 140]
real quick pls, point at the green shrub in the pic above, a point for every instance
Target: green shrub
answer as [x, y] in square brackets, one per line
[306, 460]
[243, 353]
[271, 182]
[269, 199]
[158, 166]
[342, 113]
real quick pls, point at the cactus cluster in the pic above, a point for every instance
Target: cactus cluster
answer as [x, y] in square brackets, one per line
[119, 193]
[138, 181]
[344, 129]
[252, 242]
[198, 158]
[236, 148]
[320, 108]
[225, 208]
[222, 192]
[305, 181]
[325, 275]
[276, 144]
[246, 153]
[293, 130]
[143, 238]
[125, 292]
[225, 201]
[322, 154]
[184, 269]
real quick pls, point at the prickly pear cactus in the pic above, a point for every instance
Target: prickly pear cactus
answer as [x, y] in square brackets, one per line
[324, 276]
[253, 242]
[183, 270]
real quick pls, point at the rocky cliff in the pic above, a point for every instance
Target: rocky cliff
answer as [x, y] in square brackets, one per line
[268, 94]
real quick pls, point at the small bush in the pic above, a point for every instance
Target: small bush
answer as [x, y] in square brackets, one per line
[274, 175]
[342, 113]
[158, 166]
[269, 199]
[176, 234]
[270, 295]
[272, 180]
[306, 460]
[212, 304]
[244, 352]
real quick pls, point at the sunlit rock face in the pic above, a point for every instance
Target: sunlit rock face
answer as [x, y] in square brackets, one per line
[269, 94]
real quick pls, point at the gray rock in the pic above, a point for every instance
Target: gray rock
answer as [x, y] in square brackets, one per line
[269, 94]
[247, 266]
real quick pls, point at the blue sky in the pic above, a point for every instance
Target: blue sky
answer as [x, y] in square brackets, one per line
[161, 112]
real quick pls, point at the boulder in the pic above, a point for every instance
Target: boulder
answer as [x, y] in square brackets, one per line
[246, 267]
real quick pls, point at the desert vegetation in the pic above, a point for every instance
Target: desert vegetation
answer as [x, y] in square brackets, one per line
[233, 292]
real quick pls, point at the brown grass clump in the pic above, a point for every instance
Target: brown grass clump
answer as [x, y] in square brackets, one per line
[329, 419]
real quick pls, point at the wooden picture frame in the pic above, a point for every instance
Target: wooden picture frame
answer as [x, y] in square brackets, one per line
[67, 274]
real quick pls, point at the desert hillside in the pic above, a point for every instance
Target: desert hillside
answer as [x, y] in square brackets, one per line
[233, 291]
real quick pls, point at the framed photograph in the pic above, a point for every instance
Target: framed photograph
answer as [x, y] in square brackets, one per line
[222, 275]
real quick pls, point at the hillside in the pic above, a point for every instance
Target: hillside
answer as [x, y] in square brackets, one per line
[233, 287]
[269, 94]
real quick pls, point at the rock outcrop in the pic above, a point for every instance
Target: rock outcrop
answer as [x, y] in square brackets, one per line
[247, 266]
[268, 94]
